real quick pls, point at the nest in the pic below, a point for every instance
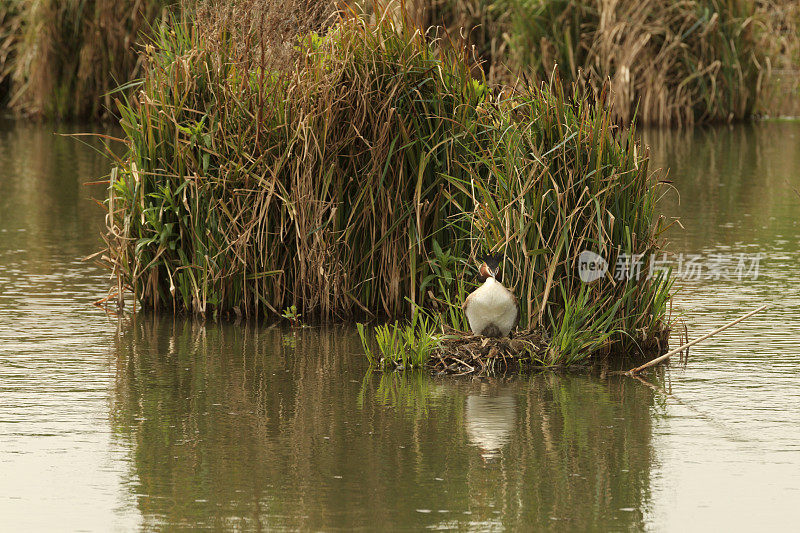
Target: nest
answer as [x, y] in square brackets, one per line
[462, 353]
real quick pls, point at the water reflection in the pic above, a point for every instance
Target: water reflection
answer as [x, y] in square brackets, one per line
[265, 427]
[734, 186]
[44, 207]
[489, 420]
[58, 466]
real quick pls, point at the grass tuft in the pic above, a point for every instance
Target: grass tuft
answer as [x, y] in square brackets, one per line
[400, 346]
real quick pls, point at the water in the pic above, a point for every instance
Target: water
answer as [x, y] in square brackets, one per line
[729, 445]
[155, 423]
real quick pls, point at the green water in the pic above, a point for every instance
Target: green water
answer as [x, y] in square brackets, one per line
[160, 423]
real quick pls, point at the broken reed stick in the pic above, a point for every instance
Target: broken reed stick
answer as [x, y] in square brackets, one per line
[670, 353]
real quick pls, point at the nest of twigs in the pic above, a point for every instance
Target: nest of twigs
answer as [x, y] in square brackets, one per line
[462, 353]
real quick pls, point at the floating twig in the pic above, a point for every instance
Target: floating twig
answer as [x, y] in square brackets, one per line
[679, 349]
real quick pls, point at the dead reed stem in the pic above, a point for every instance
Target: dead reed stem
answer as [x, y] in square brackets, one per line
[65, 57]
[689, 344]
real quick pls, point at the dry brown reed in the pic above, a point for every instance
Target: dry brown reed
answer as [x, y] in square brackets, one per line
[673, 63]
[669, 63]
[479, 24]
[69, 55]
[781, 43]
[263, 32]
[9, 35]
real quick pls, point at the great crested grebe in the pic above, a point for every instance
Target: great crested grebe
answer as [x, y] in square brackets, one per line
[491, 309]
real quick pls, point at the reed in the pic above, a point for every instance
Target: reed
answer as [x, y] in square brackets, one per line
[480, 26]
[669, 63]
[781, 43]
[365, 179]
[65, 57]
[9, 35]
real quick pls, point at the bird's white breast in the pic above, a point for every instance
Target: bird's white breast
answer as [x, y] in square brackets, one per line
[491, 303]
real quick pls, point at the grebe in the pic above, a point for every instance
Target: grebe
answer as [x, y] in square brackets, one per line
[491, 309]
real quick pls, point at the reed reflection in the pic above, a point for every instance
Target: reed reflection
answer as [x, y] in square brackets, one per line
[243, 426]
[745, 192]
[44, 202]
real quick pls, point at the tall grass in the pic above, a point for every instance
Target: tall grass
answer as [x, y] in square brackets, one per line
[669, 63]
[365, 180]
[9, 35]
[674, 62]
[480, 24]
[66, 56]
[678, 62]
[782, 45]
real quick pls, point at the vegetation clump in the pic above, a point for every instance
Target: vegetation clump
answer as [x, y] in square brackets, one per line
[362, 179]
[426, 343]
[401, 346]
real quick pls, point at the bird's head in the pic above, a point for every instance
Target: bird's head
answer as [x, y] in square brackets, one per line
[490, 267]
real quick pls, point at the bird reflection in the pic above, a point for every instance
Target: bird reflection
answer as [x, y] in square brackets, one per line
[490, 420]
